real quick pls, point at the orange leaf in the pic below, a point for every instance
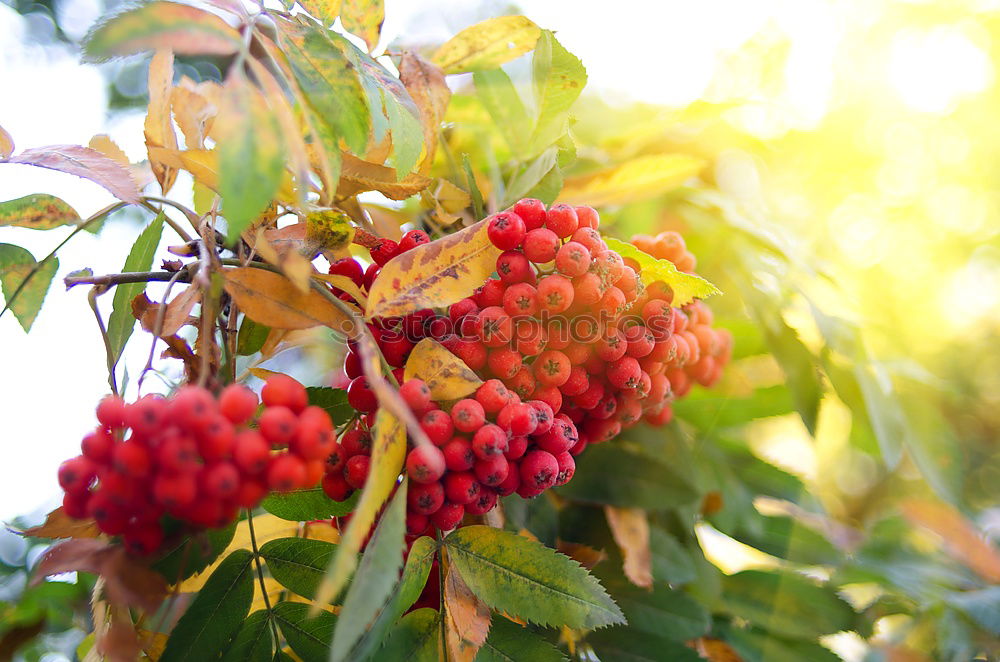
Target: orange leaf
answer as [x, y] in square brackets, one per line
[158, 128]
[6, 144]
[468, 618]
[358, 176]
[715, 650]
[84, 162]
[630, 529]
[175, 316]
[273, 300]
[435, 274]
[60, 525]
[961, 539]
[446, 375]
[195, 106]
[426, 84]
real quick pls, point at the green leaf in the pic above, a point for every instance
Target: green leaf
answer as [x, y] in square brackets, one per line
[38, 211]
[407, 138]
[784, 603]
[329, 82]
[548, 187]
[251, 156]
[470, 180]
[308, 504]
[982, 606]
[709, 411]
[627, 645]
[251, 338]
[416, 638]
[539, 516]
[25, 282]
[686, 286]
[216, 612]
[756, 646]
[253, 642]
[884, 412]
[487, 44]
[509, 642]
[194, 553]
[558, 77]
[298, 564]
[333, 400]
[662, 613]
[671, 561]
[185, 29]
[497, 94]
[529, 178]
[789, 539]
[308, 637]
[651, 484]
[374, 580]
[527, 580]
[415, 573]
[140, 258]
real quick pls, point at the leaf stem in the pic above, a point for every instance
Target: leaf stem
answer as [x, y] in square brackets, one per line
[260, 575]
[92, 299]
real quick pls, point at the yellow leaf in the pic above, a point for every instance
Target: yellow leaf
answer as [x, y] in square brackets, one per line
[630, 529]
[203, 164]
[6, 144]
[446, 375]
[467, 618]
[961, 538]
[343, 283]
[158, 128]
[109, 148]
[325, 11]
[427, 86]
[363, 18]
[387, 221]
[59, 525]
[638, 179]
[195, 106]
[388, 451]
[435, 274]
[487, 45]
[298, 269]
[358, 176]
[272, 300]
[327, 230]
[686, 286]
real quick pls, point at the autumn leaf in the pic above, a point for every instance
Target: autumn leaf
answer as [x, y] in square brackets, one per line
[467, 618]
[446, 375]
[273, 300]
[38, 211]
[430, 92]
[25, 282]
[158, 25]
[435, 274]
[86, 163]
[686, 287]
[325, 11]
[630, 529]
[363, 18]
[195, 106]
[60, 525]
[961, 538]
[176, 315]
[103, 143]
[638, 179]
[358, 176]
[203, 164]
[6, 144]
[487, 44]
[280, 248]
[157, 127]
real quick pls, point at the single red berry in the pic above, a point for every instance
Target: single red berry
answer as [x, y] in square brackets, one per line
[448, 516]
[504, 362]
[192, 406]
[490, 293]
[523, 383]
[516, 447]
[541, 245]
[489, 440]
[611, 346]
[336, 486]
[396, 348]
[349, 267]
[461, 487]
[599, 431]
[250, 493]
[505, 230]
[286, 473]
[215, 438]
[538, 470]
[75, 505]
[425, 464]
[612, 302]
[472, 351]
[412, 239]
[550, 395]
[356, 442]
[514, 267]
[587, 289]
[416, 395]
[531, 211]
[111, 412]
[460, 309]
[544, 416]
[561, 437]
[577, 383]
[494, 326]
[371, 273]
[590, 238]
[458, 455]
[221, 480]
[284, 391]
[314, 438]
[132, 459]
[492, 471]
[573, 259]
[567, 467]
[416, 524]
[588, 217]
[97, 446]
[468, 415]
[384, 250]
[552, 368]
[640, 341]
[356, 471]
[555, 293]
[493, 396]
[360, 396]
[143, 540]
[76, 474]
[624, 373]
[520, 299]
[278, 425]
[425, 498]
[147, 416]
[237, 403]
[438, 426]
[561, 219]
[589, 398]
[336, 460]
[251, 452]
[518, 419]
[511, 483]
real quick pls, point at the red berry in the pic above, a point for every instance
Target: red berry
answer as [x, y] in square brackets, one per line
[416, 395]
[504, 362]
[520, 299]
[490, 294]
[562, 437]
[523, 383]
[555, 293]
[492, 471]
[494, 326]
[611, 346]
[587, 289]
[567, 467]
[250, 493]
[485, 503]
[512, 482]
[590, 238]
[336, 486]
[461, 308]
[215, 439]
[589, 398]
[438, 426]
[538, 470]
[251, 452]
[624, 373]
[514, 267]
[612, 302]
[384, 250]
[468, 415]
[531, 211]
[143, 540]
[237, 403]
[516, 448]
[573, 259]
[543, 416]
[472, 352]
[489, 440]
[286, 473]
[578, 381]
[550, 395]
[284, 391]
[505, 230]
[349, 267]
[448, 516]
[75, 505]
[425, 498]
[132, 459]
[493, 396]
[356, 471]
[458, 455]
[192, 406]
[111, 412]
[97, 446]
[371, 273]
[278, 425]
[314, 438]
[221, 480]
[412, 239]
[360, 396]
[541, 245]
[640, 341]
[561, 219]
[518, 419]
[147, 415]
[461, 487]
[356, 442]
[425, 464]
[76, 474]
[552, 368]
[587, 217]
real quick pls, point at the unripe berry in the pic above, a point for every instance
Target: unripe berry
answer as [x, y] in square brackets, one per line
[425, 464]
[538, 470]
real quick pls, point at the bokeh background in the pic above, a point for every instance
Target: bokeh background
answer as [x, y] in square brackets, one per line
[859, 136]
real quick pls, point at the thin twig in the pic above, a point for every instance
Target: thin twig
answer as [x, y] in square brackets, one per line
[169, 221]
[161, 315]
[183, 276]
[92, 299]
[260, 575]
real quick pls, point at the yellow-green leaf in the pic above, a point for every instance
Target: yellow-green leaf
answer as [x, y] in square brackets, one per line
[325, 11]
[638, 179]
[38, 211]
[182, 28]
[272, 300]
[388, 451]
[435, 274]
[558, 78]
[686, 286]
[487, 44]
[427, 86]
[446, 375]
[363, 18]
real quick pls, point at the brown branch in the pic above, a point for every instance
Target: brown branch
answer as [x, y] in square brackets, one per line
[131, 277]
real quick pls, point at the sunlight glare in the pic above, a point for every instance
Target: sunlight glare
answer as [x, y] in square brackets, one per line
[932, 70]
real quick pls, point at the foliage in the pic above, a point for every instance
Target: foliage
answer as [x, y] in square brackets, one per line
[312, 137]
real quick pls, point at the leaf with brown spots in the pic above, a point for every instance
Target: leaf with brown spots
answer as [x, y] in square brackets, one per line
[273, 300]
[446, 375]
[158, 128]
[60, 525]
[426, 84]
[86, 163]
[961, 539]
[467, 619]
[38, 211]
[630, 529]
[435, 274]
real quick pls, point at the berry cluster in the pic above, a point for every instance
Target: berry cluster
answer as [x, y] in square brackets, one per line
[194, 458]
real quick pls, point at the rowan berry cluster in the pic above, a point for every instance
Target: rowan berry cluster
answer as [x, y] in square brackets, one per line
[193, 457]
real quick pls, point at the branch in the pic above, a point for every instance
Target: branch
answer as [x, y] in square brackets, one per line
[131, 277]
